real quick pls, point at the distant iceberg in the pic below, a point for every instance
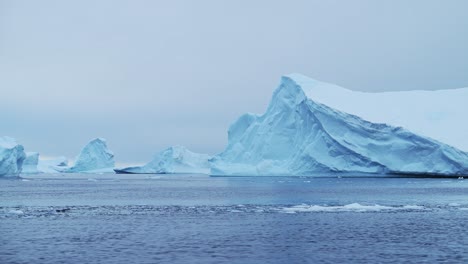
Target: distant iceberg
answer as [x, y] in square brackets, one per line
[30, 163]
[12, 156]
[52, 165]
[34, 164]
[316, 129]
[175, 159]
[95, 157]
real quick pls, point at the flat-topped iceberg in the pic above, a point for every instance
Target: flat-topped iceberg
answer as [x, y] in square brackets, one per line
[175, 159]
[314, 129]
[95, 157]
[30, 163]
[11, 157]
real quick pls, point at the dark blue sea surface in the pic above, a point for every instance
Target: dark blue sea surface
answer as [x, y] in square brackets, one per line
[87, 218]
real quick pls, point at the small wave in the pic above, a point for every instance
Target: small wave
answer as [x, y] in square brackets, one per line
[16, 212]
[156, 210]
[354, 207]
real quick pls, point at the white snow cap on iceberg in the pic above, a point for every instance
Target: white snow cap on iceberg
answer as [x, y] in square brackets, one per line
[439, 114]
[175, 159]
[315, 128]
[11, 157]
[94, 157]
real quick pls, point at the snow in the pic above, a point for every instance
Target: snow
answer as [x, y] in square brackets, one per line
[316, 129]
[11, 157]
[30, 163]
[175, 159]
[95, 157]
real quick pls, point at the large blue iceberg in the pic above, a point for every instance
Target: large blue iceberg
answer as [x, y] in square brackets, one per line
[316, 129]
[12, 156]
[175, 159]
[95, 157]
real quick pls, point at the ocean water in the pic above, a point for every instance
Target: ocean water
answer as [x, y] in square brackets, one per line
[86, 218]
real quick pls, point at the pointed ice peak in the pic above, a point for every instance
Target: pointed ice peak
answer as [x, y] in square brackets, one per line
[98, 141]
[312, 87]
[287, 95]
[295, 88]
[300, 79]
[94, 156]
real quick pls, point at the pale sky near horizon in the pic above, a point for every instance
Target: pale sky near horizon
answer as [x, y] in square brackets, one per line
[146, 75]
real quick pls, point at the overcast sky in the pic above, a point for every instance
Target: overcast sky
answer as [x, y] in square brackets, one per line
[146, 75]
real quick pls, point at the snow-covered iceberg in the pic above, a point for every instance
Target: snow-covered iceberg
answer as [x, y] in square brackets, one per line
[30, 163]
[12, 156]
[313, 128]
[175, 159]
[95, 157]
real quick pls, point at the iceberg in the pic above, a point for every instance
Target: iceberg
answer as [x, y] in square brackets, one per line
[311, 128]
[175, 159]
[30, 163]
[12, 156]
[95, 157]
[33, 164]
[52, 165]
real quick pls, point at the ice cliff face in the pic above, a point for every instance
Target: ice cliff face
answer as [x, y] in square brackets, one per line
[300, 134]
[30, 163]
[11, 157]
[176, 159]
[94, 157]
